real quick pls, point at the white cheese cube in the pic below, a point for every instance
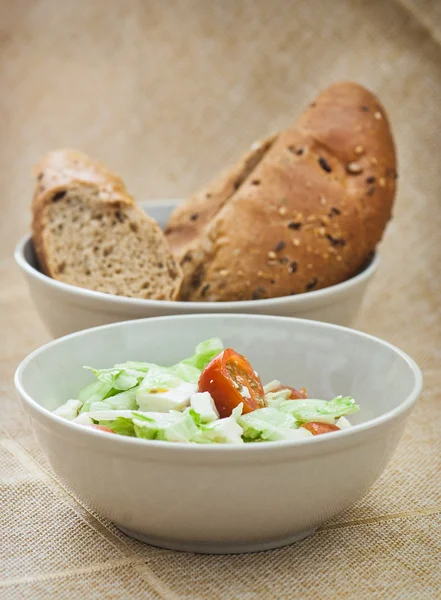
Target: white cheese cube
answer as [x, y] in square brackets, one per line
[271, 386]
[343, 423]
[204, 405]
[83, 419]
[163, 400]
[296, 434]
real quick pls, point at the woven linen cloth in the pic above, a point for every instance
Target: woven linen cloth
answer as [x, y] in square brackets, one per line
[167, 93]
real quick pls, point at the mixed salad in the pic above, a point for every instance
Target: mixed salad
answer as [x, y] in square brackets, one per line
[213, 397]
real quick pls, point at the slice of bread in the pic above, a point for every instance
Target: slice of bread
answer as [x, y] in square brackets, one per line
[89, 232]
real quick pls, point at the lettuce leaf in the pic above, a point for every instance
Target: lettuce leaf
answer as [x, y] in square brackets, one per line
[188, 370]
[183, 430]
[275, 399]
[118, 378]
[160, 426]
[94, 392]
[69, 410]
[129, 375]
[267, 424]
[205, 352]
[185, 372]
[120, 401]
[322, 411]
[121, 425]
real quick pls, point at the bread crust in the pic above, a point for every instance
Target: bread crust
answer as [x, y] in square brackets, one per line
[54, 173]
[309, 214]
[189, 219]
[67, 171]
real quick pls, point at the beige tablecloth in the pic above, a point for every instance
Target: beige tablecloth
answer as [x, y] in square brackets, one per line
[166, 92]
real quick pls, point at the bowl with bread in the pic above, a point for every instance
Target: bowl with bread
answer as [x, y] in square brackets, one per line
[225, 493]
[291, 228]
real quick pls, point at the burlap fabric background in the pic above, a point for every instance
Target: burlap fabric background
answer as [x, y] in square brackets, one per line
[166, 93]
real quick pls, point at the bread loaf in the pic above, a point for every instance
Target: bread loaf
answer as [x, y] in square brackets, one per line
[307, 215]
[190, 218]
[89, 232]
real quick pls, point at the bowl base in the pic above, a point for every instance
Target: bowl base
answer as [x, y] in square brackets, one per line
[217, 548]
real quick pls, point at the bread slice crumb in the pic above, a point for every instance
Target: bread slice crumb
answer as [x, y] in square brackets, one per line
[89, 232]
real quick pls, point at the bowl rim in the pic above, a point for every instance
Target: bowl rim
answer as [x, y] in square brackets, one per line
[302, 300]
[299, 300]
[222, 449]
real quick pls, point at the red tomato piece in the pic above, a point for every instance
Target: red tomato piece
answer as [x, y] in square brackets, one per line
[230, 379]
[295, 394]
[319, 428]
[101, 428]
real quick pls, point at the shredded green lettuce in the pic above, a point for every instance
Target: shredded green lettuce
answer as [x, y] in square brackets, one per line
[161, 426]
[69, 410]
[188, 370]
[121, 425]
[320, 410]
[144, 400]
[205, 352]
[121, 401]
[266, 423]
[183, 430]
[275, 399]
[118, 378]
[94, 392]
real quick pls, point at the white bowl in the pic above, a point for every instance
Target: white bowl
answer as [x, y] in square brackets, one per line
[65, 308]
[221, 498]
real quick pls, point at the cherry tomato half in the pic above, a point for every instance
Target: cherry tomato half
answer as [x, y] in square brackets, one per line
[295, 394]
[230, 379]
[101, 428]
[319, 428]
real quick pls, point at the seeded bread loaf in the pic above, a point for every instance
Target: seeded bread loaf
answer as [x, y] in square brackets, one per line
[307, 215]
[190, 218]
[89, 232]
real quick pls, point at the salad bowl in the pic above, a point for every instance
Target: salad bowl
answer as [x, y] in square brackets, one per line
[222, 497]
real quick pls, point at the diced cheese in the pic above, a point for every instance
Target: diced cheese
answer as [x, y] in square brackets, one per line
[204, 405]
[271, 386]
[83, 419]
[296, 434]
[343, 423]
[176, 398]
